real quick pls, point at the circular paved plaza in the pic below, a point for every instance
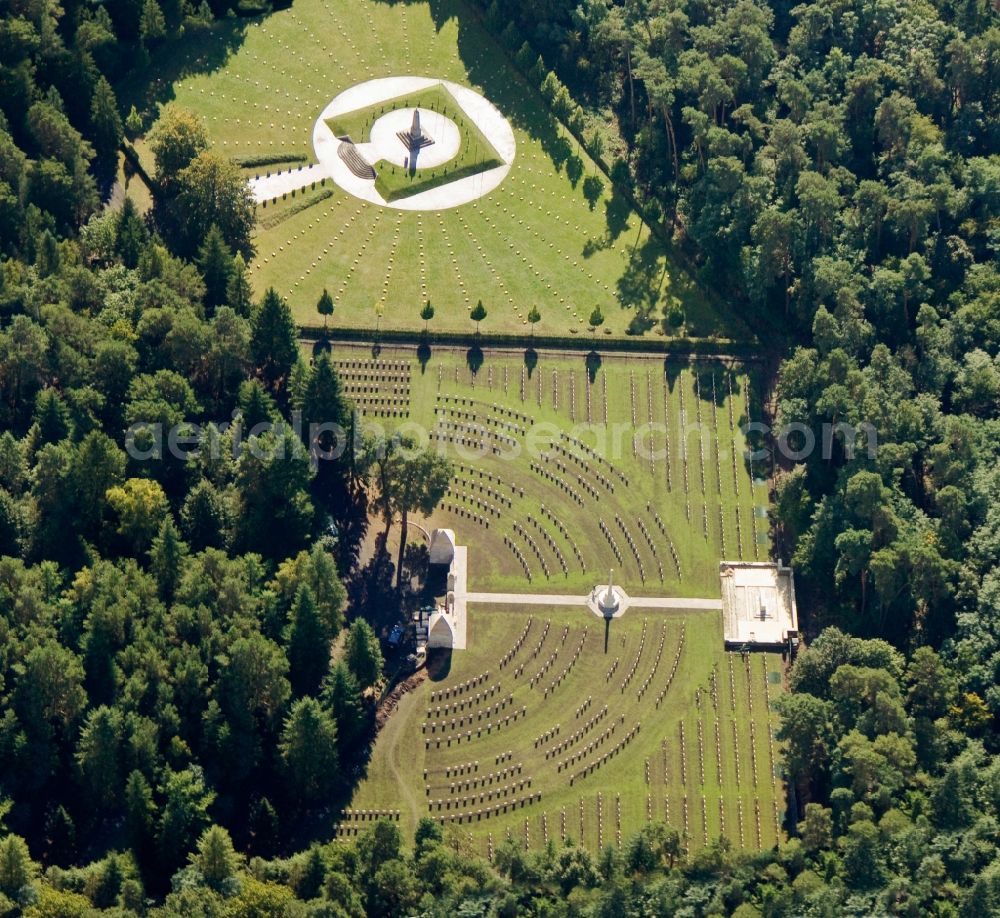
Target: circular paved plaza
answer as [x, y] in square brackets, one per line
[384, 143]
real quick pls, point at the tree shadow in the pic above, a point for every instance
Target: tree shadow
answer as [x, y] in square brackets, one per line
[201, 49]
[323, 346]
[639, 285]
[501, 82]
[435, 583]
[672, 367]
[641, 322]
[370, 591]
[712, 382]
[423, 356]
[415, 563]
[474, 359]
[574, 169]
[617, 210]
[530, 360]
[593, 188]
[352, 527]
[593, 365]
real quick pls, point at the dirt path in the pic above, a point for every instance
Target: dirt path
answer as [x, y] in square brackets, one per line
[402, 772]
[391, 731]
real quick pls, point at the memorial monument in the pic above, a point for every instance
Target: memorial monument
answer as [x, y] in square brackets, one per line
[415, 138]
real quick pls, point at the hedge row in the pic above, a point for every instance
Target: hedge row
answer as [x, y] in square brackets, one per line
[388, 337]
[270, 159]
[274, 217]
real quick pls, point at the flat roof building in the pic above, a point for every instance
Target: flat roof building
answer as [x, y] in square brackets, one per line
[758, 605]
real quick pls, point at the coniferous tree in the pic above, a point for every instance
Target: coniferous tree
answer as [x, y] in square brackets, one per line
[203, 517]
[308, 644]
[342, 695]
[130, 234]
[166, 557]
[534, 317]
[298, 381]
[17, 869]
[478, 314]
[105, 120]
[215, 858]
[256, 406]
[133, 123]
[215, 262]
[99, 756]
[184, 815]
[325, 307]
[363, 654]
[11, 525]
[52, 420]
[239, 294]
[140, 813]
[309, 751]
[274, 342]
[47, 256]
[324, 404]
[152, 24]
[427, 313]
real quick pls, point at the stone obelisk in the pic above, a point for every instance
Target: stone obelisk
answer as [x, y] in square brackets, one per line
[415, 138]
[608, 602]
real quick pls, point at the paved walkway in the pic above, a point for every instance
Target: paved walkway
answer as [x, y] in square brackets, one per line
[276, 184]
[673, 602]
[460, 618]
[554, 599]
[532, 599]
[463, 599]
[477, 109]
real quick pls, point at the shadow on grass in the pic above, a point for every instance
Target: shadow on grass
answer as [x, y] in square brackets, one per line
[416, 563]
[423, 356]
[370, 591]
[617, 210]
[530, 360]
[593, 365]
[474, 358]
[672, 367]
[502, 83]
[639, 285]
[349, 512]
[201, 49]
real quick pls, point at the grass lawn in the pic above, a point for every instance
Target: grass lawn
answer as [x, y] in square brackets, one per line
[552, 235]
[720, 779]
[357, 124]
[687, 484]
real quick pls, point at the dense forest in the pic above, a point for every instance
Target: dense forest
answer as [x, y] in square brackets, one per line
[169, 735]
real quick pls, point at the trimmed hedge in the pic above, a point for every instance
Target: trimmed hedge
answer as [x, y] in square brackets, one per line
[309, 198]
[391, 188]
[270, 159]
[388, 337]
